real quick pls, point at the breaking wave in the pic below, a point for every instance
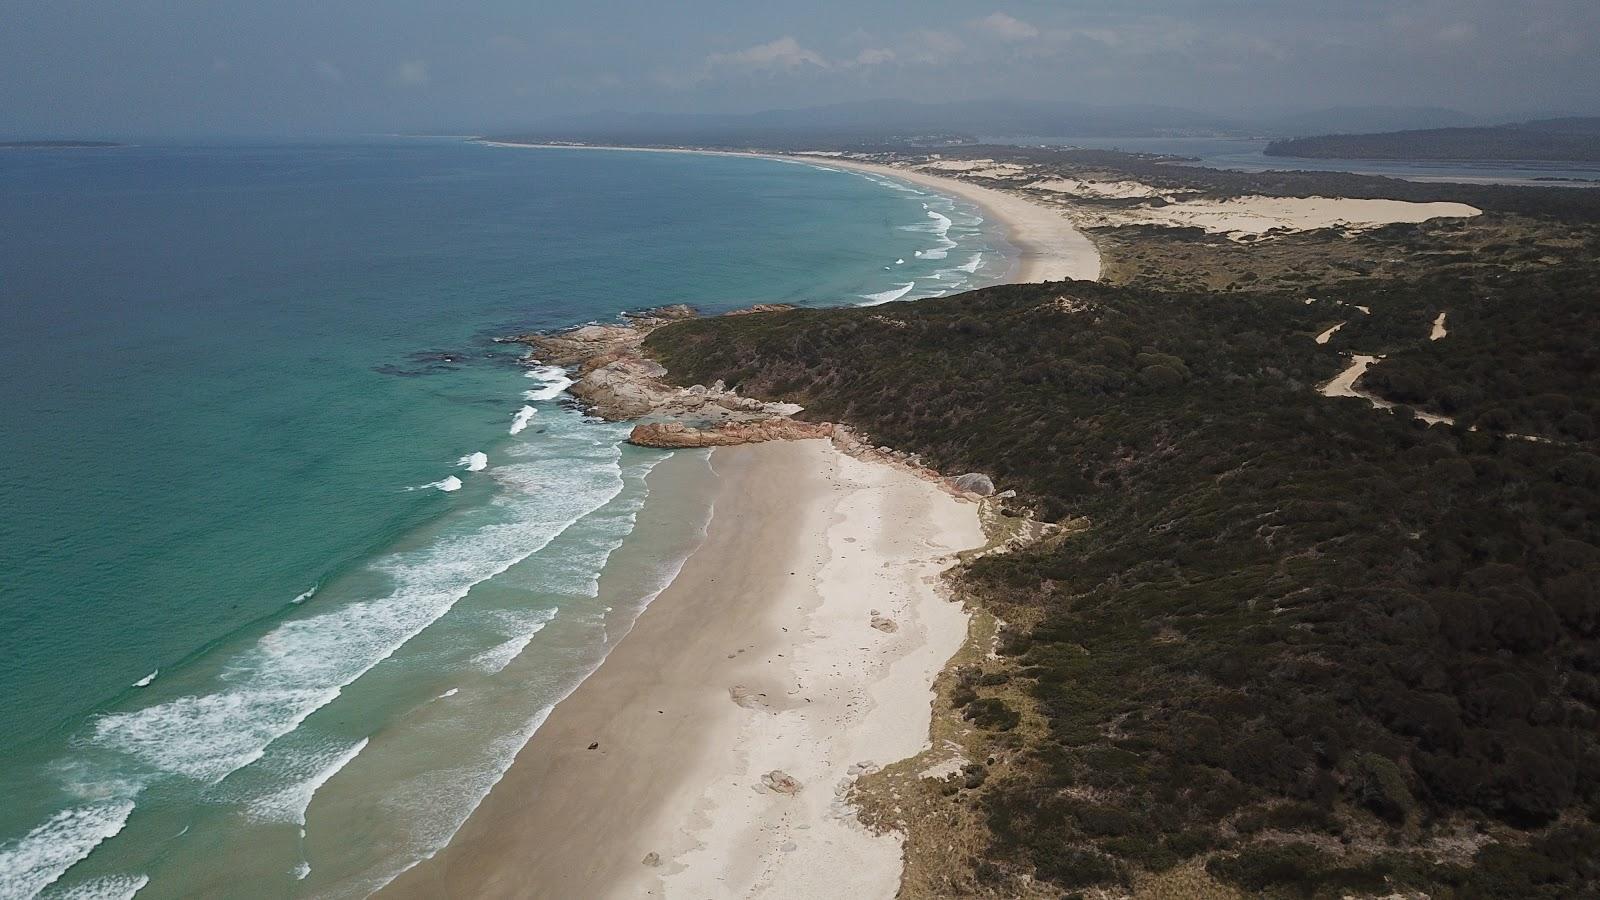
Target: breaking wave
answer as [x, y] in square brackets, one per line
[892, 294]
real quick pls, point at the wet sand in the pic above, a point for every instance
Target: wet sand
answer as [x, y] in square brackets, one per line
[760, 657]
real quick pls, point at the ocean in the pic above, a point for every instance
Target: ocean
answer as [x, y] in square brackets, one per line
[294, 557]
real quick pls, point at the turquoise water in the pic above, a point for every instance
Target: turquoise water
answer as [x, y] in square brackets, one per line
[266, 627]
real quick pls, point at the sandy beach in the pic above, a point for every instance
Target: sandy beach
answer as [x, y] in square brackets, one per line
[710, 754]
[1049, 247]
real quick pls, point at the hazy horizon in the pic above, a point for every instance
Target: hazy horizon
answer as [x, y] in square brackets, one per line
[188, 68]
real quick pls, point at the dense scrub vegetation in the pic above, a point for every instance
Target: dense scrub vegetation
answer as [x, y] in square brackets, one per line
[1573, 139]
[1483, 247]
[1314, 647]
[1522, 354]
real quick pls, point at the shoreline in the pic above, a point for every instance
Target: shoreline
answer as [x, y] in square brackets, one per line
[802, 638]
[696, 703]
[1049, 246]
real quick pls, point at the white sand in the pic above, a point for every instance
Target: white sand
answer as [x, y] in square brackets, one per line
[852, 694]
[1078, 187]
[759, 656]
[1323, 337]
[972, 165]
[1049, 245]
[1438, 330]
[1255, 216]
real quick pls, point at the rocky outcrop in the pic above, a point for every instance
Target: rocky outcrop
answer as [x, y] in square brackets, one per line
[617, 381]
[974, 483]
[634, 387]
[676, 435]
[761, 308]
[590, 347]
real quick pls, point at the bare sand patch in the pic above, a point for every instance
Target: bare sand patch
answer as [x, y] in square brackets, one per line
[1078, 187]
[1251, 217]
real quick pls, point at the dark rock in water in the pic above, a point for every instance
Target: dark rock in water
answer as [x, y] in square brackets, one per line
[595, 746]
[391, 369]
[438, 356]
[975, 483]
[430, 362]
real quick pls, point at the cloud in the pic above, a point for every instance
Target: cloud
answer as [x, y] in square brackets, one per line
[328, 72]
[874, 56]
[1457, 33]
[1005, 27]
[783, 53]
[411, 74]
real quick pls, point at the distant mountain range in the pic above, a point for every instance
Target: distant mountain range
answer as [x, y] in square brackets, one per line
[55, 145]
[878, 121]
[1354, 119]
[1544, 140]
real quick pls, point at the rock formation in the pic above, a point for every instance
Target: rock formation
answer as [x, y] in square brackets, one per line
[780, 782]
[974, 483]
[616, 381]
[676, 435]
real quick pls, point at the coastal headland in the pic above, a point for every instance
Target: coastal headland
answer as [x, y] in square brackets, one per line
[715, 751]
[751, 735]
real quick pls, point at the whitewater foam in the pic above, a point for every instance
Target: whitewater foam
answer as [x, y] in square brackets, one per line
[496, 658]
[971, 265]
[554, 380]
[303, 664]
[33, 862]
[145, 681]
[305, 595]
[108, 887]
[475, 462]
[415, 796]
[448, 484]
[521, 419]
[291, 804]
[894, 293]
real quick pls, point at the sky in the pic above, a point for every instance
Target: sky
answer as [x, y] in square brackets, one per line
[81, 68]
